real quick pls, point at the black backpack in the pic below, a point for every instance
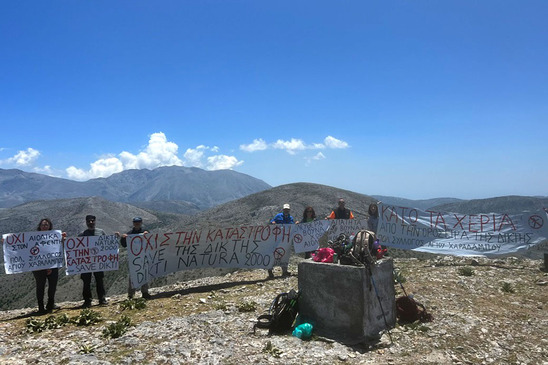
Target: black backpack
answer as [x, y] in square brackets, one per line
[281, 315]
[408, 310]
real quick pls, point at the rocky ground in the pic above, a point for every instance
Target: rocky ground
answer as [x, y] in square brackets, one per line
[485, 312]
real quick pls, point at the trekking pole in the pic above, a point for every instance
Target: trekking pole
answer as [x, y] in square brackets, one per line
[368, 265]
[399, 282]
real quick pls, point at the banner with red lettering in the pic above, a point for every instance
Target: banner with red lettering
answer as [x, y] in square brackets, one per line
[30, 251]
[459, 234]
[91, 254]
[155, 255]
[306, 236]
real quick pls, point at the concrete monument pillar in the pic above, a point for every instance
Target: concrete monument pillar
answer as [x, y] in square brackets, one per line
[342, 303]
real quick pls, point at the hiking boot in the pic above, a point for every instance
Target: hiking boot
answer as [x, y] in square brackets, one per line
[103, 301]
[87, 304]
[147, 296]
[52, 307]
[270, 274]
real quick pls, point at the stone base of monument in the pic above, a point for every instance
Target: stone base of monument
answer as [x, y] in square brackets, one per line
[342, 303]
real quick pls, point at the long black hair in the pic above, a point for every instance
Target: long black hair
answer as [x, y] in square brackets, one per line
[304, 213]
[373, 212]
[47, 220]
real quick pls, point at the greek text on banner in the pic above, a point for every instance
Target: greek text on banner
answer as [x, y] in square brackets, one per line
[30, 251]
[459, 234]
[91, 254]
[156, 255]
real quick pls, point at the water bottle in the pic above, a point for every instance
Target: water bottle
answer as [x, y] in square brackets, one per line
[303, 331]
[335, 258]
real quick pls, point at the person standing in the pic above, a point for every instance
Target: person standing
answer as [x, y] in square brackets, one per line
[282, 218]
[309, 215]
[50, 276]
[373, 219]
[137, 229]
[341, 212]
[99, 275]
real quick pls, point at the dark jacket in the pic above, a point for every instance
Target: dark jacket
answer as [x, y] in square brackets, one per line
[92, 232]
[343, 213]
[123, 240]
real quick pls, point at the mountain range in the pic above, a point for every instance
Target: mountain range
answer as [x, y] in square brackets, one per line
[174, 189]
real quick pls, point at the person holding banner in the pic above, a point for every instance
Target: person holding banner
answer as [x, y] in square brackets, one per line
[341, 212]
[373, 219]
[282, 218]
[309, 215]
[137, 229]
[48, 275]
[99, 275]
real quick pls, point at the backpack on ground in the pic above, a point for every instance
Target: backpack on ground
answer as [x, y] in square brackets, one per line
[281, 315]
[408, 310]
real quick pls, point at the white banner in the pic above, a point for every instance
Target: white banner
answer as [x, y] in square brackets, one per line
[347, 226]
[156, 255]
[306, 236]
[459, 234]
[91, 254]
[30, 251]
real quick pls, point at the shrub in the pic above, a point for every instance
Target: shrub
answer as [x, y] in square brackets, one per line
[117, 329]
[507, 287]
[87, 317]
[247, 306]
[35, 325]
[52, 322]
[86, 349]
[220, 306]
[398, 277]
[62, 320]
[272, 350]
[466, 271]
[133, 303]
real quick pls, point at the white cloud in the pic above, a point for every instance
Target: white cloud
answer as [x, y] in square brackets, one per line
[159, 152]
[46, 170]
[332, 142]
[76, 173]
[222, 162]
[256, 145]
[290, 146]
[193, 157]
[318, 156]
[103, 167]
[294, 145]
[22, 158]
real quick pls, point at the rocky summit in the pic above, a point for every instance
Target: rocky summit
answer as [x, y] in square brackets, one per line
[485, 312]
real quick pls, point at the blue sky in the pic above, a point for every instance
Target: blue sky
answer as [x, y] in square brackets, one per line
[417, 99]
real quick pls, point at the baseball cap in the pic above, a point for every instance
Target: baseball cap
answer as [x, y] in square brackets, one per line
[286, 206]
[137, 219]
